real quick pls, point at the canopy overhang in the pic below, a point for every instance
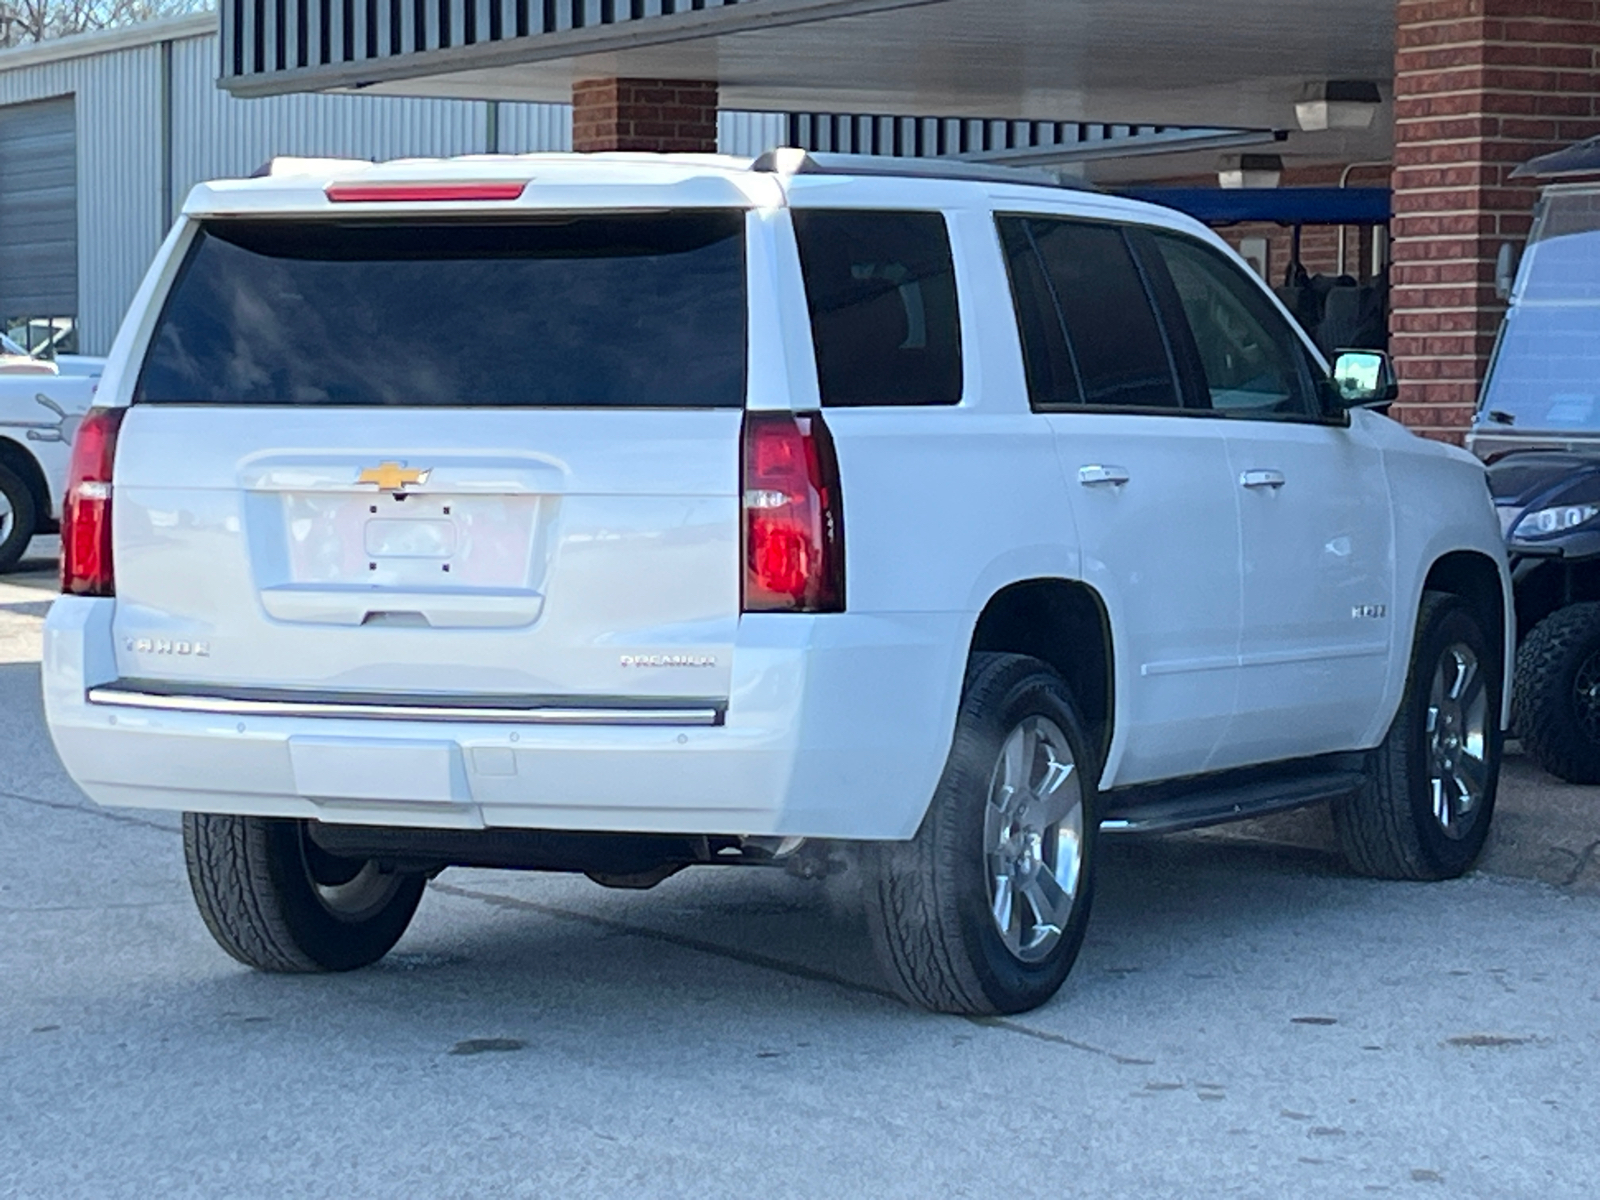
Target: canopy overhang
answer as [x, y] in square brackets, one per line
[1225, 63]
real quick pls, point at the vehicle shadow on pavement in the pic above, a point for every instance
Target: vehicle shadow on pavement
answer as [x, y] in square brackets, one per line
[492, 951]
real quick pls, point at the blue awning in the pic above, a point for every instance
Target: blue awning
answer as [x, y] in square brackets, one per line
[1286, 206]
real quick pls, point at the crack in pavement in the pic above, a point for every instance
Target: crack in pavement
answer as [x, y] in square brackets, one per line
[15, 909]
[765, 962]
[96, 811]
[1058, 1039]
[1584, 857]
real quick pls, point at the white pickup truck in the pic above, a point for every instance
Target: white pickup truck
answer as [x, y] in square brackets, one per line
[41, 403]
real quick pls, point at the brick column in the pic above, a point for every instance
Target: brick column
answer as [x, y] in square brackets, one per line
[1481, 86]
[664, 115]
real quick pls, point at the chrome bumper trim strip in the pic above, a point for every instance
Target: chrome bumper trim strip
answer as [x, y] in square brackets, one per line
[227, 706]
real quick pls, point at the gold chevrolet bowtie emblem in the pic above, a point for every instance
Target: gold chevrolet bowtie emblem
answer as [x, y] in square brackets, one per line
[392, 477]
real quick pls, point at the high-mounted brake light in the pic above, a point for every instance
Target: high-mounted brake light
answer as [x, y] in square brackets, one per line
[793, 515]
[86, 568]
[397, 193]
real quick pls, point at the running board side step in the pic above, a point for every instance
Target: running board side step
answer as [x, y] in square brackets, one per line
[1196, 803]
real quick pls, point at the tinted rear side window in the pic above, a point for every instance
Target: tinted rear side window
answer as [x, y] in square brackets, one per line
[1089, 331]
[882, 292]
[624, 311]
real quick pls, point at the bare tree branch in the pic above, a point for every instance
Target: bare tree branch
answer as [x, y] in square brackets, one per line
[23, 22]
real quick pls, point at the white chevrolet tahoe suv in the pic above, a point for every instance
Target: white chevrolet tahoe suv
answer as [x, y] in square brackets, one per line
[815, 510]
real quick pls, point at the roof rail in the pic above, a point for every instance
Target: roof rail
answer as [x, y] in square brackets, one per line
[790, 160]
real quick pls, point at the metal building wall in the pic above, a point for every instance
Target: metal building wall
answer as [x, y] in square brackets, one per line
[134, 167]
[118, 100]
[751, 134]
[216, 136]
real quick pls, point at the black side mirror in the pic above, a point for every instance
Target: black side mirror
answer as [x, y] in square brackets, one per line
[1365, 379]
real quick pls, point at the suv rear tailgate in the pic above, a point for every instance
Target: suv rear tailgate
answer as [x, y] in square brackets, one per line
[542, 554]
[421, 457]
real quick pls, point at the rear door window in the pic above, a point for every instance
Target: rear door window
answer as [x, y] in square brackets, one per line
[601, 311]
[882, 294]
[1089, 330]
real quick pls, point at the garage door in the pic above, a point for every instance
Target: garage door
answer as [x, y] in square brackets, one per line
[38, 210]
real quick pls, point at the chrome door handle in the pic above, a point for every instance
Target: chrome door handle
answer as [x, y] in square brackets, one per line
[1262, 479]
[1098, 475]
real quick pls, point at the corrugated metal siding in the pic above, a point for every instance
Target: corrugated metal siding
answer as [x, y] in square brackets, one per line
[215, 135]
[38, 210]
[526, 128]
[751, 133]
[126, 200]
[118, 101]
[263, 39]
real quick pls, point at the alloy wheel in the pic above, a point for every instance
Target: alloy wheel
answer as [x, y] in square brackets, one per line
[1458, 740]
[1033, 838]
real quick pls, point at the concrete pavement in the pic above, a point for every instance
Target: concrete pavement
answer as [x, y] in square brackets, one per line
[1246, 1019]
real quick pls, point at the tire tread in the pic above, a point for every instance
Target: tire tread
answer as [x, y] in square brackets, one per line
[913, 907]
[231, 877]
[1545, 722]
[1376, 825]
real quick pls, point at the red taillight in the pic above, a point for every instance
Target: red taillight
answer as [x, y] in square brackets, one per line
[86, 514]
[380, 193]
[793, 518]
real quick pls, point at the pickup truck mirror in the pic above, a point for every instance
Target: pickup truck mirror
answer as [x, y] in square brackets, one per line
[1364, 379]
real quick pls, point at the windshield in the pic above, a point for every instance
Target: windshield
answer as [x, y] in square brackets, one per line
[1546, 372]
[644, 311]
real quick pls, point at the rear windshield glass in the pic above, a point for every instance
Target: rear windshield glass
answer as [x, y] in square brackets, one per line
[613, 311]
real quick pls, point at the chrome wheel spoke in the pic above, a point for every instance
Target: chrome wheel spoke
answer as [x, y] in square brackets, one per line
[1002, 907]
[1466, 673]
[1033, 838]
[1049, 902]
[1472, 773]
[1057, 794]
[1011, 774]
[1458, 739]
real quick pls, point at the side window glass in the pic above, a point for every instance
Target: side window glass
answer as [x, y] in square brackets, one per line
[1251, 359]
[1116, 343]
[1052, 376]
[882, 293]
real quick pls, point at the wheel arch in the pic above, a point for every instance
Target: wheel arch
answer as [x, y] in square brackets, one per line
[1065, 623]
[1478, 580]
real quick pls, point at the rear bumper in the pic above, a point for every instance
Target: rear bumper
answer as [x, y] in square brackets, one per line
[836, 726]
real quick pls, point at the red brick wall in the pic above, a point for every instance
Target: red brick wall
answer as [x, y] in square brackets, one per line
[644, 114]
[1481, 86]
[1319, 248]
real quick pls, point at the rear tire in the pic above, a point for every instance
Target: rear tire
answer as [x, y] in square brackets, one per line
[19, 518]
[1425, 809]
[277, 902]
[1557, 693]
[984, 910]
